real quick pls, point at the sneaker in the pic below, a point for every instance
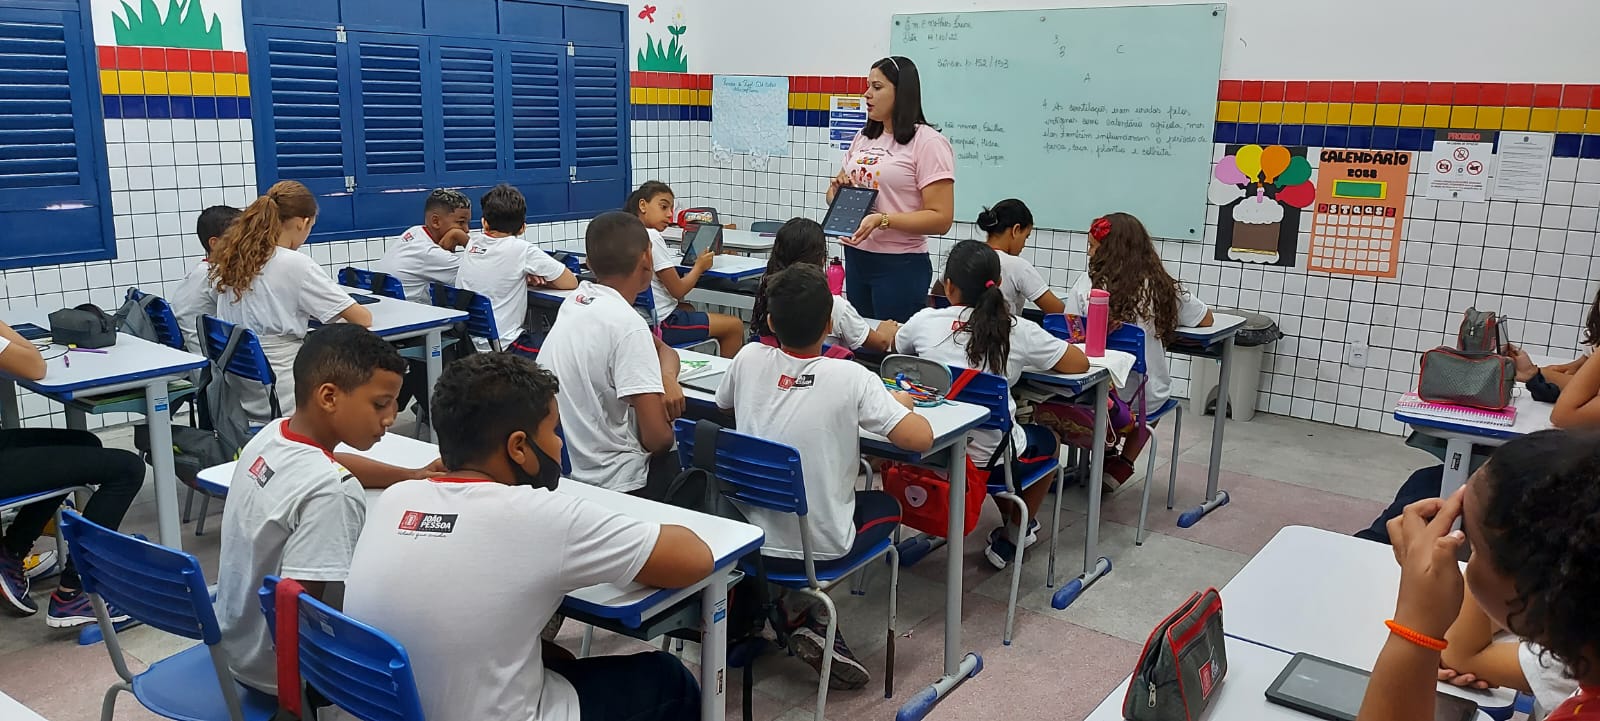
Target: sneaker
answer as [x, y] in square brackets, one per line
[847, 672]
[1000, 551]
[14, 586]
[1033, 533]
[70, 609]
[41, 565]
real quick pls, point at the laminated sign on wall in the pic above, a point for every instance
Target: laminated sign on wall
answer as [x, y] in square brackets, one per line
[749, 115]
[1461, 162]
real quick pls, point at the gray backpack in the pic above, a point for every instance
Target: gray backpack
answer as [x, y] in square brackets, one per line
[224, 426]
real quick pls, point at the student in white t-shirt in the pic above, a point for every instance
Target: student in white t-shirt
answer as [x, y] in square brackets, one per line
[426, 253]
[978, 331]
[295, 507]
[680, 323]
[802, 242]
[194, 296]
[1476, 659]
[495, 523]
[793, 395]
[500, 265]
[621, 380]
[1008, 225]
[1123, 262]
[264, 284]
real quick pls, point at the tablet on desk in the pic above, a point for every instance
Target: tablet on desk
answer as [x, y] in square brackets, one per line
[363, 299]
[1325, 689]
[849, 206]
[700, 238]
[29, 331]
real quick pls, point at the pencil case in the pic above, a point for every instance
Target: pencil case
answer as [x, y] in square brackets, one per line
[1182, 664]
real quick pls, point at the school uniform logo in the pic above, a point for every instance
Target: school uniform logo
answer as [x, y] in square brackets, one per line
[260, 472]
[419, 523]
[583, 299]
[804, 381]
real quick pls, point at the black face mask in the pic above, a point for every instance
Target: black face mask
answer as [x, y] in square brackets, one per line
[549, 471]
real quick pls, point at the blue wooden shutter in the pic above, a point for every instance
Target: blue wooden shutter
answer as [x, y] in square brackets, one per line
[468, 107]
[391, 124]
[535, 101]
[53, 194]
[598, 79]
[305, 132]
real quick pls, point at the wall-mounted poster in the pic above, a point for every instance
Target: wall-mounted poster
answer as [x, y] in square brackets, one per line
[1360, 214]
[1260, 192]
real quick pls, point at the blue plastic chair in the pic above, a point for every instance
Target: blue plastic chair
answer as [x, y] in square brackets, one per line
[994, 394]
[764, 474]
[646, 304]
[160, 313]
[362, 670]
[480, 312]
[163, 588]
[1129, 338]
[81, 492]
[383, 284]
[250, 363]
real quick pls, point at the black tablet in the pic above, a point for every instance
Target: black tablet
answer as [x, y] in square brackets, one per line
[699, 238]
[849, 206]
[29, 331]
[361, 299]
[1325, 689]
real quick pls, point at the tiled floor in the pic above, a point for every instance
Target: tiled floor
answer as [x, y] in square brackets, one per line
[1278, 471]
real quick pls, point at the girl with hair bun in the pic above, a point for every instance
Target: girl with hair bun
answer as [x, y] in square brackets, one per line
[1008, 224]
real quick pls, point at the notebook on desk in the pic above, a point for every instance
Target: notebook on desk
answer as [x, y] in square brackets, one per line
[1411, 405]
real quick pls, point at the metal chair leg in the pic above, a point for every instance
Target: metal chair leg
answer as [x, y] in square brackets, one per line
[588, 641]
[200, 523]
[1172, 472]
[1016, 565]
[1055, 527]
[826, 672]
[1149, 479]
[188, 505]
[894, 596]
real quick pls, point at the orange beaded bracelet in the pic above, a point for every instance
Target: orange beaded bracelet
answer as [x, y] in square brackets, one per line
[1420, 639]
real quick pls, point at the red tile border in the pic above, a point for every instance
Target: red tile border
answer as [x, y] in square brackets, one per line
[1519, 94]
[1416, 93]
[1231, 90]
[1319, 91]
[1441, 93]
[1467, 94]
[1366, 92]
[1547, 96]
[1391, 92]
[1272, 91]
[1577, 96]
[1492, 94]
[1295, 91]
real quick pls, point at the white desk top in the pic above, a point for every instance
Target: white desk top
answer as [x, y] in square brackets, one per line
[736, 267]
[127, 363]
[392, 317]
[1532, 416]
[1326, 594]
[1222, 325]
[731, 239]
[13, 710]
[729, 540]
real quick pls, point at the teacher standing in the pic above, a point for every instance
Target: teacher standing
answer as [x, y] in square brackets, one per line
[912, 166]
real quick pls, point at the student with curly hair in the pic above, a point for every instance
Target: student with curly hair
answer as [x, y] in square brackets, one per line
[1534, 570]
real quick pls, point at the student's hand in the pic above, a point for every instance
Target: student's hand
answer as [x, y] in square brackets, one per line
[703, 263]
[889, 329]
[535, 281]
[454, 238]
[432, 470]
[672, 396]
[1462, 680]
[1430, 578]
[869, 225]
[905, 399]
[1526, 370]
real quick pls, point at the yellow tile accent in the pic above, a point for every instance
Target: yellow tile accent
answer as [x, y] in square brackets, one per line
[1272, 112]
[702, 97]
[636, 96]
[1489, 118]
[155, 82]
[204, 84]
[130, 82]
[1437, 116]
[1316, 113]
[1294, 113]
[1387, 116]
[227, 84]
[1593, 124]
[1362, 114]
[1570, 120]
[1411, 116]
[1249, 112]
[1542, 120]
[1228, 111]
[1463, 116]
[108, 82]
[178, 83]
[1338, 113]
[653, 96]
[1515, 119]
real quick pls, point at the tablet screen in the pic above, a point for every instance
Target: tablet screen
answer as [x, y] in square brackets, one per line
[698, 239]
[29, 331]
[1335, 691]
[849, 206]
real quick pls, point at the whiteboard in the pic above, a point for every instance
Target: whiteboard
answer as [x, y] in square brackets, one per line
[750, 115]
[1078, 112]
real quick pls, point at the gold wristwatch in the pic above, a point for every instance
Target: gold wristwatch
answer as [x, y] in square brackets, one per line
[883, 221]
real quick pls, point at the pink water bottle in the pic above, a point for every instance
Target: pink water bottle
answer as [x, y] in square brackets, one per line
[836, 276]
[1094, 341]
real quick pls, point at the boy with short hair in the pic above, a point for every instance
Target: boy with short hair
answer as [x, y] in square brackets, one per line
[795, 396]
[622, 381]
[500, 265]
[426, 253]
[293, 509]
[497, 417]
[194, 296]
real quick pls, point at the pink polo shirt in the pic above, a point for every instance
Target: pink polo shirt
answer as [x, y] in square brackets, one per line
[899, 172]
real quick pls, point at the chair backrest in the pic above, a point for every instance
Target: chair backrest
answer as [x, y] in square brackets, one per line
[480, 312]
[161, 317]
[1126, 337]
[754, 471]
[766, 226]
[372, 281]
[983, 389]
[645, 303]
[156, 585]
[358, 668]
[249, 361]
[573, 262]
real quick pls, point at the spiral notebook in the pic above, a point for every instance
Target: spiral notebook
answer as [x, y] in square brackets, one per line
[1411, 405]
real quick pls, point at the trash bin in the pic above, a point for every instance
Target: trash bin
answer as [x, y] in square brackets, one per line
[1257, 333]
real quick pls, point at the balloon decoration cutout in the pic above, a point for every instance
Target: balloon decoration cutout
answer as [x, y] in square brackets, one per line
[1261, 191]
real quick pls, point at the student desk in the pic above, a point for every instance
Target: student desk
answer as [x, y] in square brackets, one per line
[13, 710]
[633, 604]
[742, 240]
[1461, 437]
[394, 320]
[952, 423]
[1214, 341]
[1326, 594]
[734, 267]
[132, 364]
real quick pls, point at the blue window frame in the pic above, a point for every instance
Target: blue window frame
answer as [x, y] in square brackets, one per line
[54, 189]
[373, 104]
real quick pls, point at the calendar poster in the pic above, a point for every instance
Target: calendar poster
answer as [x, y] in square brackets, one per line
[1357, 222]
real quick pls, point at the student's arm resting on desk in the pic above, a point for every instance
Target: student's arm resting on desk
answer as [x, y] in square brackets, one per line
[378, 475]
[20, 358]
[680, 285]
[1049, 303]
[679, 559]
[357, 314]
[1072, 361]
[1473, 654]
[912, 433]
[1579, 402]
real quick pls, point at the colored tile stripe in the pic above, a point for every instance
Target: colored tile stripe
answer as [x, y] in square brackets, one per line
[173, 82]
[165, 107]
[181, 59]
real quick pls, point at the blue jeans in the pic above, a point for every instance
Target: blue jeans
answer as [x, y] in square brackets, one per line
[887, 286]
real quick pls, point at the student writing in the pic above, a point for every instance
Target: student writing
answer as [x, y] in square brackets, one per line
[680, 323]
